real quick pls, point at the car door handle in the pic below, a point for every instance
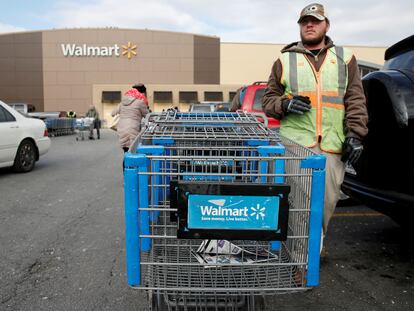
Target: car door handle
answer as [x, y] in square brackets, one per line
[14, 127]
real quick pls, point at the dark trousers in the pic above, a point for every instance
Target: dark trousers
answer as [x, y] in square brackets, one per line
[95, 125]
[123, 164]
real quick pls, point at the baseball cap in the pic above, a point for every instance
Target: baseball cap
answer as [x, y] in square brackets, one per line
[315, 9]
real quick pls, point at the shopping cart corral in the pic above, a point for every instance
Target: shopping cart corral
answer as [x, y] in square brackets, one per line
[60, 126]
[220, 211]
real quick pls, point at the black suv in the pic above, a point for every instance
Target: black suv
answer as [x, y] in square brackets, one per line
[384, 176]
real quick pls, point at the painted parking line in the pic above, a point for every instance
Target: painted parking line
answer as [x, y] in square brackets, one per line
[357, 215]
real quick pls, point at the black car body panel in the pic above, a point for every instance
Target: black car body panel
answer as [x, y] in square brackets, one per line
[384, 177]
[399, 88]
[397, 205]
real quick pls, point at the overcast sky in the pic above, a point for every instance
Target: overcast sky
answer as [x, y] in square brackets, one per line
[353, 22]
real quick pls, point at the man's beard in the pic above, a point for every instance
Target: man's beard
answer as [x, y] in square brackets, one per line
[314, 41]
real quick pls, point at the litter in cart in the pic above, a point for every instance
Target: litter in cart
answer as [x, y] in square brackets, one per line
[223, 247]
[222, 251]
[227, 212]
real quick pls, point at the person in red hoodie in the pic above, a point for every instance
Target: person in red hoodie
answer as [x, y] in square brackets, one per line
[131, 110]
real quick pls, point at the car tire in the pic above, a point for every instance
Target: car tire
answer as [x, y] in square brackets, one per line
[26, 157]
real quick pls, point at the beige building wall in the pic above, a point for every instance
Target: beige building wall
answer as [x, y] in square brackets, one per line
[35, 69]
[21, 68]
[369, 54]
[244, 63]
[161, 57]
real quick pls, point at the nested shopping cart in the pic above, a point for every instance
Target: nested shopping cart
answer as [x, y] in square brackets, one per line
[220, 211]
[60, 126]
[83, 125]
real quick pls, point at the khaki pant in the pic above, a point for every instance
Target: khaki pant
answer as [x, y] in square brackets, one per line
[335, 172]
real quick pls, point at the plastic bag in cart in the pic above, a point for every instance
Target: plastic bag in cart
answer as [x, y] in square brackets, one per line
[224, 252]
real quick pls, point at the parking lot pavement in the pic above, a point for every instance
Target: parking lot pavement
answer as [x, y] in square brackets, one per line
[62, 242]
[62, 232]
[369, 266]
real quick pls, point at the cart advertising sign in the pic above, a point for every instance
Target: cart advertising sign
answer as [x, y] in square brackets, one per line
[233, 212]
[230, 210]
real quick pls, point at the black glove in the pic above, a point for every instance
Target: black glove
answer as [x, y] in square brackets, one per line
[298, 104]
[351, 150]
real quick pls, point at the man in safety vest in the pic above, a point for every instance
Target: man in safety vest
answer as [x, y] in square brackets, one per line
[316, 90]
[71, 114]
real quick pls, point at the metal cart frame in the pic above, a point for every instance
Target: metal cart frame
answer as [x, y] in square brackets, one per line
[218, 149]
[83, 125]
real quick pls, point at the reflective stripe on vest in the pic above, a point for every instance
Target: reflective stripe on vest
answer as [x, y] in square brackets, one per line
[326, 89]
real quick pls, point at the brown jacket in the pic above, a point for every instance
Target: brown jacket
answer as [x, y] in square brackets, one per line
[131, 111]
[356, 115]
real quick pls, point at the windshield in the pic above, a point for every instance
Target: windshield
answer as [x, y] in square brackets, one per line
[19, 108]
[257, 103]
[402, 61]
[201, 109]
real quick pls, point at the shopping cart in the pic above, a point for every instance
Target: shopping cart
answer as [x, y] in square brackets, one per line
[60, 126]
[83, 125]
[220, 211]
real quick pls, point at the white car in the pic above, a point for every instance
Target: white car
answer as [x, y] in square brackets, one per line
[22, 140]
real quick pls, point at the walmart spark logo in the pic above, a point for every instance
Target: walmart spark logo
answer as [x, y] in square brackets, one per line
[129, 50]
[258, 212]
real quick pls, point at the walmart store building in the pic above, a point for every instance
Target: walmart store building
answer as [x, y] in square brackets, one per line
[69, 69]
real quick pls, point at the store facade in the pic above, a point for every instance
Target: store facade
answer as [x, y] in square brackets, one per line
[70, 69]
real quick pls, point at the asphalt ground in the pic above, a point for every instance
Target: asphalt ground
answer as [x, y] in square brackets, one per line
[62, 242]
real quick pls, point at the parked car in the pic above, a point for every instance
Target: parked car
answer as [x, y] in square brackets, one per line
[47, 115]
[22, 107]
[383, 178]
[22, 140]
[222, 107]
[252, 101]
[202, 107]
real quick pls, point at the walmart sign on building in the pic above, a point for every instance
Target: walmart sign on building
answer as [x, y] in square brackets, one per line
[84, 50]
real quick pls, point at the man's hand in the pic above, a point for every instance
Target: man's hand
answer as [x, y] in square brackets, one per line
[298, 104]
[351, 150]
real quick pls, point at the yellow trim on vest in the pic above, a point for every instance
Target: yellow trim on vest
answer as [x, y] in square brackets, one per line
[326, 93]
[334, 106]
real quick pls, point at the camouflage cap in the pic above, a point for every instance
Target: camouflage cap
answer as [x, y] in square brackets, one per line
[315, 9]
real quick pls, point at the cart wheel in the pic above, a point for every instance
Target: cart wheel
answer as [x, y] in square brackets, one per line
[76, 139]
[157, 302]
[254, 303]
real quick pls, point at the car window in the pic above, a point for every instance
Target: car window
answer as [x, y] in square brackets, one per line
[202, 108]
[257, 102]
[402, 61]
[6, 116]
[31, 108]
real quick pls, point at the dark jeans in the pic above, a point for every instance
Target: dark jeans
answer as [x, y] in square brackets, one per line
[97, 125]
[123, 164]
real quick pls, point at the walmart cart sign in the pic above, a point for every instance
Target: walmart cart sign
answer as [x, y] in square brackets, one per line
[233, 212]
